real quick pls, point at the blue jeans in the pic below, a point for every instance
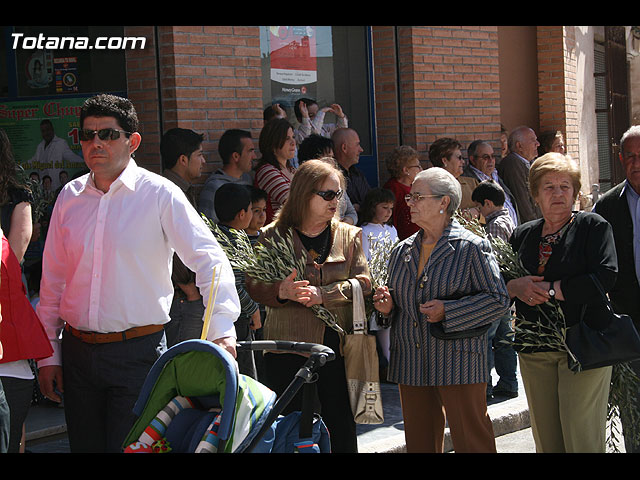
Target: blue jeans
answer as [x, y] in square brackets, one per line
[187, 319]
[101, 385]
[502, 356]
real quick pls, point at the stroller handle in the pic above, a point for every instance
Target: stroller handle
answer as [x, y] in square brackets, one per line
[314, 349]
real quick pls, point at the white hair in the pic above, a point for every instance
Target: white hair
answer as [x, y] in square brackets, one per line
[443, 183]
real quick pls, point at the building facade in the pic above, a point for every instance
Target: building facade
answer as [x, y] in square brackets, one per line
[398, 85]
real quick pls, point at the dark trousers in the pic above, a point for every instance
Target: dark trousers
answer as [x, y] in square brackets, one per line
[187, 320]
[4, 422]
[101, 385]
[18, 392]
[333, 399]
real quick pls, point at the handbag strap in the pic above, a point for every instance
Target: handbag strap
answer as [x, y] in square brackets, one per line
[605, 298]
[359, 316]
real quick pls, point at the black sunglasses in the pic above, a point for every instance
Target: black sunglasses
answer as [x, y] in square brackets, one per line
[329, 195]
[103, 134]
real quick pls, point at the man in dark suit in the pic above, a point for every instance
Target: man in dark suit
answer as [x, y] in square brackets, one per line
[514, 170]
[482, 166]
[620, 206]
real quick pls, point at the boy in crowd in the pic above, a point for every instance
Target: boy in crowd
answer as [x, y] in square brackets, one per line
[233, 208]
[259, 208]
[490, 198]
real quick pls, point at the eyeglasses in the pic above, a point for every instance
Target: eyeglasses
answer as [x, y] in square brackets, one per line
[414, 197]
[415, 166]
[103, 134]
[329, 195]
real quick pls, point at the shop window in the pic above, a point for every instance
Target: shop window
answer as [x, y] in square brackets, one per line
[329, 64]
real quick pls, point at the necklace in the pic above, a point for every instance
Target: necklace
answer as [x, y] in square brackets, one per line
[312, 235]
[427, 249]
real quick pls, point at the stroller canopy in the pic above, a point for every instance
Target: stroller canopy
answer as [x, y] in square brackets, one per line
[194, 398]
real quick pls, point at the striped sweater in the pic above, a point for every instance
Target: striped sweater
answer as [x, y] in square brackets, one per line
[462, 266]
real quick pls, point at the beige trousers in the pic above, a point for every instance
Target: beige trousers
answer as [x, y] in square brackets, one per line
[568, 410]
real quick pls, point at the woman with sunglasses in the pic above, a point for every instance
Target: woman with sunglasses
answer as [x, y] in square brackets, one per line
[446, 289]
[334, 255]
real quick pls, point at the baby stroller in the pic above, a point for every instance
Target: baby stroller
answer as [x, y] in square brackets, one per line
[195, 401]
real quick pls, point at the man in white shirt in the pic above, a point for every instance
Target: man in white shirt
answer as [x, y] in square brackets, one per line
[106, 279]
[53, 154]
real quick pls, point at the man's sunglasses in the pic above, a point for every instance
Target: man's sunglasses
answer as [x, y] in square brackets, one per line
[329, 195]
[103, 134]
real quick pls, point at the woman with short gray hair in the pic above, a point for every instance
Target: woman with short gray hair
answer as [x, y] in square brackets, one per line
[444, 291]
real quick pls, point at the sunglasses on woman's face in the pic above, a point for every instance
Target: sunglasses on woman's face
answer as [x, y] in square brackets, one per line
[103, 134]
[329, 195]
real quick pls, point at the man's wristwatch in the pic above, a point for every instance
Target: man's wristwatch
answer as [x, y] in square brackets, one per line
[552, 292]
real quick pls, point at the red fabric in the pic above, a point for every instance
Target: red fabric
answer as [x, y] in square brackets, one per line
[22, 335]
[401, 217]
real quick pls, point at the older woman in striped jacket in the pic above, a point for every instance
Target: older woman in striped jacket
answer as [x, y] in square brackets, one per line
[444, 291]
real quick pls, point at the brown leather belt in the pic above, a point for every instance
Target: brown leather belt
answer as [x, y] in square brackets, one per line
[95, 337]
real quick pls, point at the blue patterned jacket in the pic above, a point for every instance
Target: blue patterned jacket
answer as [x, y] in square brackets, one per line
[463, 267]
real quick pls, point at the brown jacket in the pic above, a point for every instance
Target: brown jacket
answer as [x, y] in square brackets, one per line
[293, 321]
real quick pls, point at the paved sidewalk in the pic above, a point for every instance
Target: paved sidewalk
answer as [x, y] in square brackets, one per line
[508, 416]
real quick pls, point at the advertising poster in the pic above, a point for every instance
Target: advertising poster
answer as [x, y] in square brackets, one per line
[21, 121]
[294, 68]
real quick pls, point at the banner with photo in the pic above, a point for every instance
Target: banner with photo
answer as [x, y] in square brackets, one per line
[23, 123]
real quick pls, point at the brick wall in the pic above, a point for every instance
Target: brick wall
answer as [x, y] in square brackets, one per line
[210, 81]
[557, 86]
[449, 84]
[388, 123]
[142, 90]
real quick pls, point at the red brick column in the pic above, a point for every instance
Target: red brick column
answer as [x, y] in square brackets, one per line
[142, 90]
[557, 87]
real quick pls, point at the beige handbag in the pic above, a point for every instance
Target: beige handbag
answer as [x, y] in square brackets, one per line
[361, 365]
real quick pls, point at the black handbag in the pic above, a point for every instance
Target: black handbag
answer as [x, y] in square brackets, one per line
[437, 330]
[619, 342]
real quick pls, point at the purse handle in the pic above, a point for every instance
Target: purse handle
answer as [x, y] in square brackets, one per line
[359, 315]
[605, 298]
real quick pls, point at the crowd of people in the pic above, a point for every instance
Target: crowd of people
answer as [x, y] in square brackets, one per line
[126, 271]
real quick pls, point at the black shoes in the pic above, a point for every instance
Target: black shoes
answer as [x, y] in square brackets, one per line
[499, 392]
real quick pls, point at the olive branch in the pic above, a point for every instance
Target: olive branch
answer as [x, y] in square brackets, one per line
[269, 261]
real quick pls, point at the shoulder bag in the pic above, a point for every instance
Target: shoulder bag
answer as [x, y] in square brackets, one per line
[619, 342]
[361, 365]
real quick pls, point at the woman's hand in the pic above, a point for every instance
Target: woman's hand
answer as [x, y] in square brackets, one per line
[382, 301]
[529, 289]
[433, 310]
[298, 291]
[315, 296]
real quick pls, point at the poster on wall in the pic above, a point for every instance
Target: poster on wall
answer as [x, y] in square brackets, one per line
[44, 136]
[294, 70]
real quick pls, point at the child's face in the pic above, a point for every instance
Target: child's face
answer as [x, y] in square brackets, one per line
[383, 213]
[487, 208]
[259, 209]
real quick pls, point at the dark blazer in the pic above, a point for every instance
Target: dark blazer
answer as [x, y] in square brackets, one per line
[468, 172]
[515, 175]
[587, 247]
[461, 266]
[625, 294]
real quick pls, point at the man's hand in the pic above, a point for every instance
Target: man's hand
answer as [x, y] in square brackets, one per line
[256, 321]
[228, 343]
[46, 377]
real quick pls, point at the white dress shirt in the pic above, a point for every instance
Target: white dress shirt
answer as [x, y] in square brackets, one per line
[108, 258]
